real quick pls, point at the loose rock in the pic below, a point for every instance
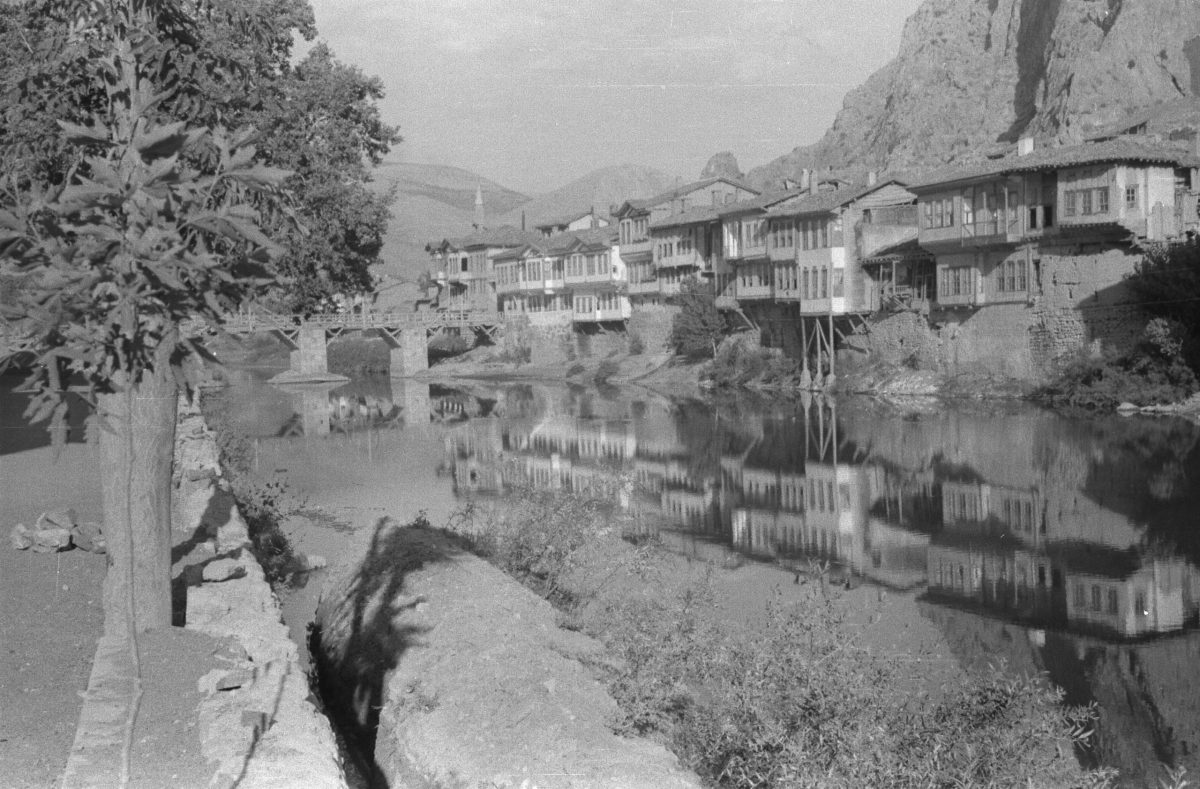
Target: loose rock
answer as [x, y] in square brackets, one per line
[51, 540]
[21, 537]
[223, 570]
[51, 519]
[88, 536]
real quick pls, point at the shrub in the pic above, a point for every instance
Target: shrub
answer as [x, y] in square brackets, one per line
[537, 538]
[637, 346]
[698, 327]
[445, 344]
[1152, 373]
[264, 506]
[801, 702]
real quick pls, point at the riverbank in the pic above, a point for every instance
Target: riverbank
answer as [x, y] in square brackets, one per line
[213, 694]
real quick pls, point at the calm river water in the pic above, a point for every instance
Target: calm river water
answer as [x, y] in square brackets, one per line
[1064, 546]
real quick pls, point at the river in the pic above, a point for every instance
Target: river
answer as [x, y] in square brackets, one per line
[1064, 546]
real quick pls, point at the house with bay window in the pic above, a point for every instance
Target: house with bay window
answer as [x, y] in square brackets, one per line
[991, 227]
[464, 268]
[575, 278]
[531, 280]
[634, 221]
[597, 279]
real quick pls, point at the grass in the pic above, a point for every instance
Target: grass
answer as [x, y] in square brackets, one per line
[263, 505]
[799, 702]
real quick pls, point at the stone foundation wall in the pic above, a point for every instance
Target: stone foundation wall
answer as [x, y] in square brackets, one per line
[652, 323]
[1078, 303]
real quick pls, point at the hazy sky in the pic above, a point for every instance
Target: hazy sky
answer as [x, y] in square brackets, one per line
[535, 93]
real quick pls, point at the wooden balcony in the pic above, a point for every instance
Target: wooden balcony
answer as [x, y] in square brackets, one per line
[754, 292]
[600, 278]
[639, 288]
[621, 313]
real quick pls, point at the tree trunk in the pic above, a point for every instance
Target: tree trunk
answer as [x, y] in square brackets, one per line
[137, 442]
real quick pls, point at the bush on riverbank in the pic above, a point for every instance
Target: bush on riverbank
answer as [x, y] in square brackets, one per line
[263, 505]
[797, 701]
[1153, 373]
[741, 362]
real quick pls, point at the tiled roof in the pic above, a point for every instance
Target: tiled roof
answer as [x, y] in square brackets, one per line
[1119, 149]
[679, 191]
[503, 236]
[761, 202]
[824, 202]
[563, 243]
[688, 217]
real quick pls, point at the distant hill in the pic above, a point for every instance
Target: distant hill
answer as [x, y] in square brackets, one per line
[453, 186]
[600, 189]
[436, 201]
[432, 202]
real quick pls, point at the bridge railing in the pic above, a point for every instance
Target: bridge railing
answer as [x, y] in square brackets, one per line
[259, 320]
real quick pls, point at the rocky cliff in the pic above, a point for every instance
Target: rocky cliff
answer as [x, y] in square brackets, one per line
[972, 75]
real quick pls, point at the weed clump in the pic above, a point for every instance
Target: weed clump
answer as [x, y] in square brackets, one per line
[263, 506]
[795, 701]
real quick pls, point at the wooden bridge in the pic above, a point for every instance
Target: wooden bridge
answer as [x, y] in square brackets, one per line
[406, 334]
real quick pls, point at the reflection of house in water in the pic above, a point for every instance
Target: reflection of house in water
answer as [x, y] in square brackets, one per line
[999, 551]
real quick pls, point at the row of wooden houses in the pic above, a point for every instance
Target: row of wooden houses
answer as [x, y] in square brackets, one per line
[961, 237]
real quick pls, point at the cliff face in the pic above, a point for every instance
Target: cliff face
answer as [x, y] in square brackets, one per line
[974, 74]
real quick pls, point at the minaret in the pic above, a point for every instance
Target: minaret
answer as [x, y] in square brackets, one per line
[479, 205]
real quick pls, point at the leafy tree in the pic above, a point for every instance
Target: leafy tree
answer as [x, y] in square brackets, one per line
[114, 236]
[325, 128]
[1167, 284]
[698, 326]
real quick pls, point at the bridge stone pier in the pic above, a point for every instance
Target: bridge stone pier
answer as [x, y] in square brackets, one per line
[408, 351]
[309, 350]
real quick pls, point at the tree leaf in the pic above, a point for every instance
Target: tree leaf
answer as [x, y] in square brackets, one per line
[161, 141]
[83, 135]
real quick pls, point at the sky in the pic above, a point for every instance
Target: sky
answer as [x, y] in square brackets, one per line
[535, 93]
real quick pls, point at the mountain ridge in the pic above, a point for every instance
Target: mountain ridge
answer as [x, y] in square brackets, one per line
[971, 77]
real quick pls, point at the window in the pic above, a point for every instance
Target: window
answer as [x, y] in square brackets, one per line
[956, 281]
[1095, 597]
[1131, 196]
[1111, 608]
[1069, 203]
[939, 213]
[1139, 603]
[1079, 596]
[1101, 201]
[1010, 276]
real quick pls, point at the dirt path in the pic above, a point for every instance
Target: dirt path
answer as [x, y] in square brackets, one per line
[50, 614]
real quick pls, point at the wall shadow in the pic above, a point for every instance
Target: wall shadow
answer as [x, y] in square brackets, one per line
[356, 641]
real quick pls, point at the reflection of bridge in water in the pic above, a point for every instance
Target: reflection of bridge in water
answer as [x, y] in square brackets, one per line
[320, 409]
[406, 335]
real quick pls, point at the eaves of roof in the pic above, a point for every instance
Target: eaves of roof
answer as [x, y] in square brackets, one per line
[1117, 150]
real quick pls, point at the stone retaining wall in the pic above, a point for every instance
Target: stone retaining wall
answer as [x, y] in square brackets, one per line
[264, 732]
[456, 675]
